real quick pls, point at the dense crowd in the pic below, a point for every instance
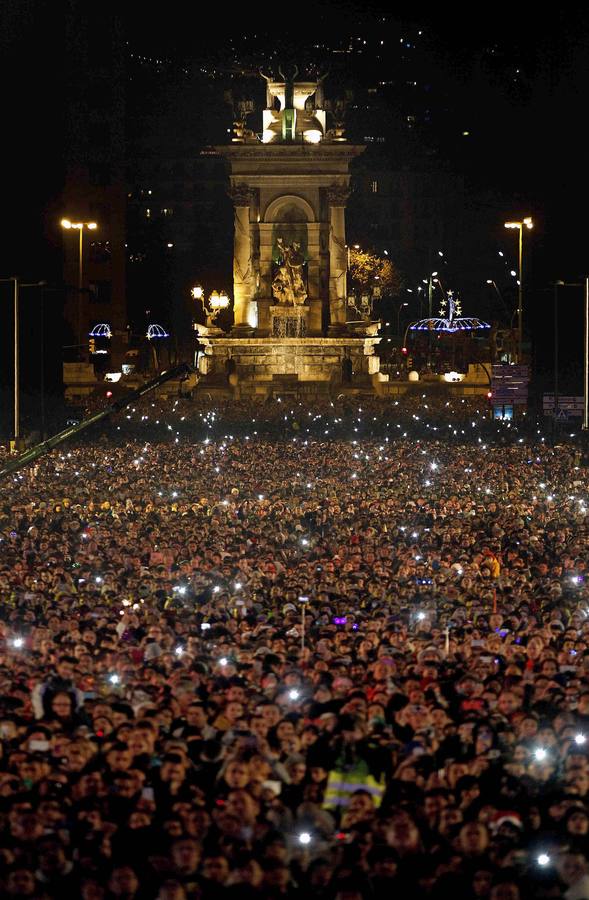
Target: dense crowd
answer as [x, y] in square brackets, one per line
[344, 666]
[414, 414]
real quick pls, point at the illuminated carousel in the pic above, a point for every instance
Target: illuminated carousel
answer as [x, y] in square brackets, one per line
[450, 319]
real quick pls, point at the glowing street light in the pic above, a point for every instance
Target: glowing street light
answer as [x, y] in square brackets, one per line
[218, 301]
[68, 225]
[527, 223]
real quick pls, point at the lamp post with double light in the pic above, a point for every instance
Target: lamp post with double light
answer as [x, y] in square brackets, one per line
[525, 223]
[68, 225]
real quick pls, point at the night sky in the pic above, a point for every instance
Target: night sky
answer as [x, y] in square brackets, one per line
[526, 136]
[516, 80]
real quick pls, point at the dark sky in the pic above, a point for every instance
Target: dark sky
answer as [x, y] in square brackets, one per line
[527, 142]
[527, 139]
[184, 29]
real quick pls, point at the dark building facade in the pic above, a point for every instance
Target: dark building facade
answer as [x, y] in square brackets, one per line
[94, 179]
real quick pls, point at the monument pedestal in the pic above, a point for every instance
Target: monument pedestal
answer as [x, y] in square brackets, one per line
[263, 365]
[243, 330]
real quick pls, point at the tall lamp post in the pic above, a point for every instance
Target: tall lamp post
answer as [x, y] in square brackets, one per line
[14, 443]
[430, 298]
[79, 227]
[527, 223]
[500, 295]
[399, 311]
[586, 361]
[17, 285]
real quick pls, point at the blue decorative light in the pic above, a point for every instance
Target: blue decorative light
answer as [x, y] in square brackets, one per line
[156, 331]
[453, 322]
[101, 330]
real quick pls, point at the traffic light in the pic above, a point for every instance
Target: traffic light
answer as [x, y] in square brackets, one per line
[92, 345]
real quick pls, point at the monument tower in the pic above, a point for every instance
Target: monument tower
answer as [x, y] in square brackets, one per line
[289, 185]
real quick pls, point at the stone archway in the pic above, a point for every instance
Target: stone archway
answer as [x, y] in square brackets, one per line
[286, 224]
[290, 219]
[289, 208]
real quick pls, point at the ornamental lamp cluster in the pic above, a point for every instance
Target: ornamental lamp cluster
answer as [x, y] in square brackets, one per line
[67, 224]
[216, 303]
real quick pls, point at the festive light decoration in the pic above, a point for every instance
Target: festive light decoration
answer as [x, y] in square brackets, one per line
[101, 330]
[450, 318]
[156, 331]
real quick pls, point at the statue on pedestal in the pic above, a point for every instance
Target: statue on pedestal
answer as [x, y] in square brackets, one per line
[288, 285]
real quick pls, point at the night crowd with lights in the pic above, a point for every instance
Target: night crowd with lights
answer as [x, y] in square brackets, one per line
[268, 651]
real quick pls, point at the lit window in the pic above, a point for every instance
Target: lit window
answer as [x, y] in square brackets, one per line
[374, 187]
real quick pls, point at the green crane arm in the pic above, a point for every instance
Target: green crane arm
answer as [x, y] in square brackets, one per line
[38, 450]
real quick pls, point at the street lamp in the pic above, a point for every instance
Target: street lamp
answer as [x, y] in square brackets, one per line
[430, 292]
[217, 302]
[399, 311]
[502, 298]
[68, 225]
[527, 222]
[430, 296]
[586, 361]
[14, 444]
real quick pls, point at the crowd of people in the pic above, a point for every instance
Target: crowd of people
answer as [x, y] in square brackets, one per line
[296, 657]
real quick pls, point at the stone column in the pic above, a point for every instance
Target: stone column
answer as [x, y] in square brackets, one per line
[265, 230]
[243, 270]
[337, 196]
[314, 277]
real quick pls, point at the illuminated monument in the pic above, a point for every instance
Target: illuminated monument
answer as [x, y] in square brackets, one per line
[289, 185]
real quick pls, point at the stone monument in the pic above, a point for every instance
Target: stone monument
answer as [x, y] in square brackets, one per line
[289, 185]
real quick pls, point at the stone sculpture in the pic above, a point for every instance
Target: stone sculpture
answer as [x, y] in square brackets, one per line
[288, 285]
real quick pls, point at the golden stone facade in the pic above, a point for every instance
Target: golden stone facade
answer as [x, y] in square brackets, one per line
[289, 192]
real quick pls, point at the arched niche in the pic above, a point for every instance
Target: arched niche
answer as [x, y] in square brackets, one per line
[289, 208]
[289, 217]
